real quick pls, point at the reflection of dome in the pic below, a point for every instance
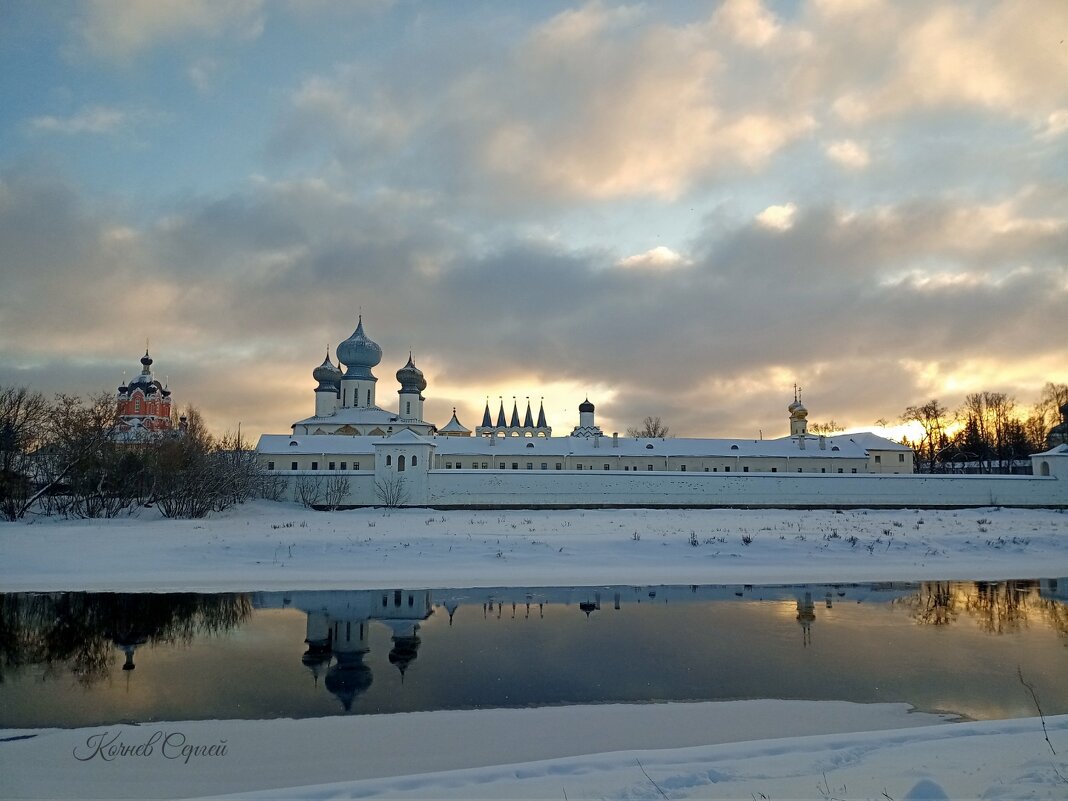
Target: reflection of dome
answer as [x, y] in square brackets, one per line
[411, 377]
[316, 659]
[359, 353]
[404, 652]
[348, 678]
[586, 406]
[128, 644]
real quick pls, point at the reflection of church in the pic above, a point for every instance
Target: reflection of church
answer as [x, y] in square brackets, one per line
[338, 635]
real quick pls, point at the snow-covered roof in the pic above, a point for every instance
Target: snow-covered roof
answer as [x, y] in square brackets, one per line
[871, 441]
[352, 415]
[1059, 450]
[454, 426]
[842, 447]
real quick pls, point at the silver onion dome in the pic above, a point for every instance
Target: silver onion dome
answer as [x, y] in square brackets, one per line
[327, 374]
[359, 353]
[411, 377]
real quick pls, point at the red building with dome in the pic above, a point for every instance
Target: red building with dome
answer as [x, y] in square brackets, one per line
[144, 405]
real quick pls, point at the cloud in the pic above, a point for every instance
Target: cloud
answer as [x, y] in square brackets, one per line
[658, 258]
[848, 154]
[121, 29]
[748, 21]
[92, 120]
[245, 289]
[780, 218]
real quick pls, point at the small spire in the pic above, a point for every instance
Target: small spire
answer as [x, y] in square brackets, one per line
[528, 419]
[541, 414]
[487, 421]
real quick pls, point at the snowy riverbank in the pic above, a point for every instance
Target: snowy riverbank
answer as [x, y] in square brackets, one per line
[283, 546]
[739, 749]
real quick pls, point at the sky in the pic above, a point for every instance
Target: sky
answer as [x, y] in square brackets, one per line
[676, 209]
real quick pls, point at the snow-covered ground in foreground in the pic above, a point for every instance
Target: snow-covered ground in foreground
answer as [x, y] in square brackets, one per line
[262, 546]
[745, 749]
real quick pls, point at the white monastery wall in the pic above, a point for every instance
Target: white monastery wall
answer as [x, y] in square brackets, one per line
[533, 489]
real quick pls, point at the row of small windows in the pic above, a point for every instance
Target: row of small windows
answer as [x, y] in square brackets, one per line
[530, 466]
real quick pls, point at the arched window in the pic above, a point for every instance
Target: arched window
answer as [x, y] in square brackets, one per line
[389, 460]
[400, 464]
[1043, 470]
[415, 461]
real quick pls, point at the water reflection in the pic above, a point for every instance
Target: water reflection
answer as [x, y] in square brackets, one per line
[939, 645]
[79, 630]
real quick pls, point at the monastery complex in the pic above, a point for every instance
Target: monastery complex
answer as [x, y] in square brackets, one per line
[398, 458]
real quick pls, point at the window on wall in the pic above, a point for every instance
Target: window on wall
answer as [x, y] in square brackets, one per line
[559, 466]
[270, 465]
[840, 470]
[530, 465]
[544, 465]
[355, 465]
[607, 467]
[878, 459]
[415, 461]
[745, 469]
[823, 469]
[682, 468]
[293, 466]
[485, 465]
[389, 460]
[344, 465]
[315, 465]
[799, 470]
[408, 408]
[333, 466]
[727, 469]
[368, 397]
[578, 467]
[649, 467]
[448, 465]
[775, 470]
[853, 470]
[400, 464]
[901, 457]
[515, 465]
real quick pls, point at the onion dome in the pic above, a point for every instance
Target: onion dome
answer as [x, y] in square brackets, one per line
[146, 362]
[327, 375]
[411, 377]
[359, 353]
[586, 407]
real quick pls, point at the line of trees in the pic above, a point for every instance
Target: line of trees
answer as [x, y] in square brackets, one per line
[63, 457]
[990, 431]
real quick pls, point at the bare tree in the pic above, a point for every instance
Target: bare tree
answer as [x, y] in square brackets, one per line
[830, 427]
[23, 428]
[336, 491]
[932, 418]
[392, 490]
[651, 427]
[308, 490]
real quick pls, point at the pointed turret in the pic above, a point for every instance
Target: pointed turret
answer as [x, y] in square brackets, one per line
[541, 415]
[528, 419]
[502, 422]
[515, 414]
[487, 421]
